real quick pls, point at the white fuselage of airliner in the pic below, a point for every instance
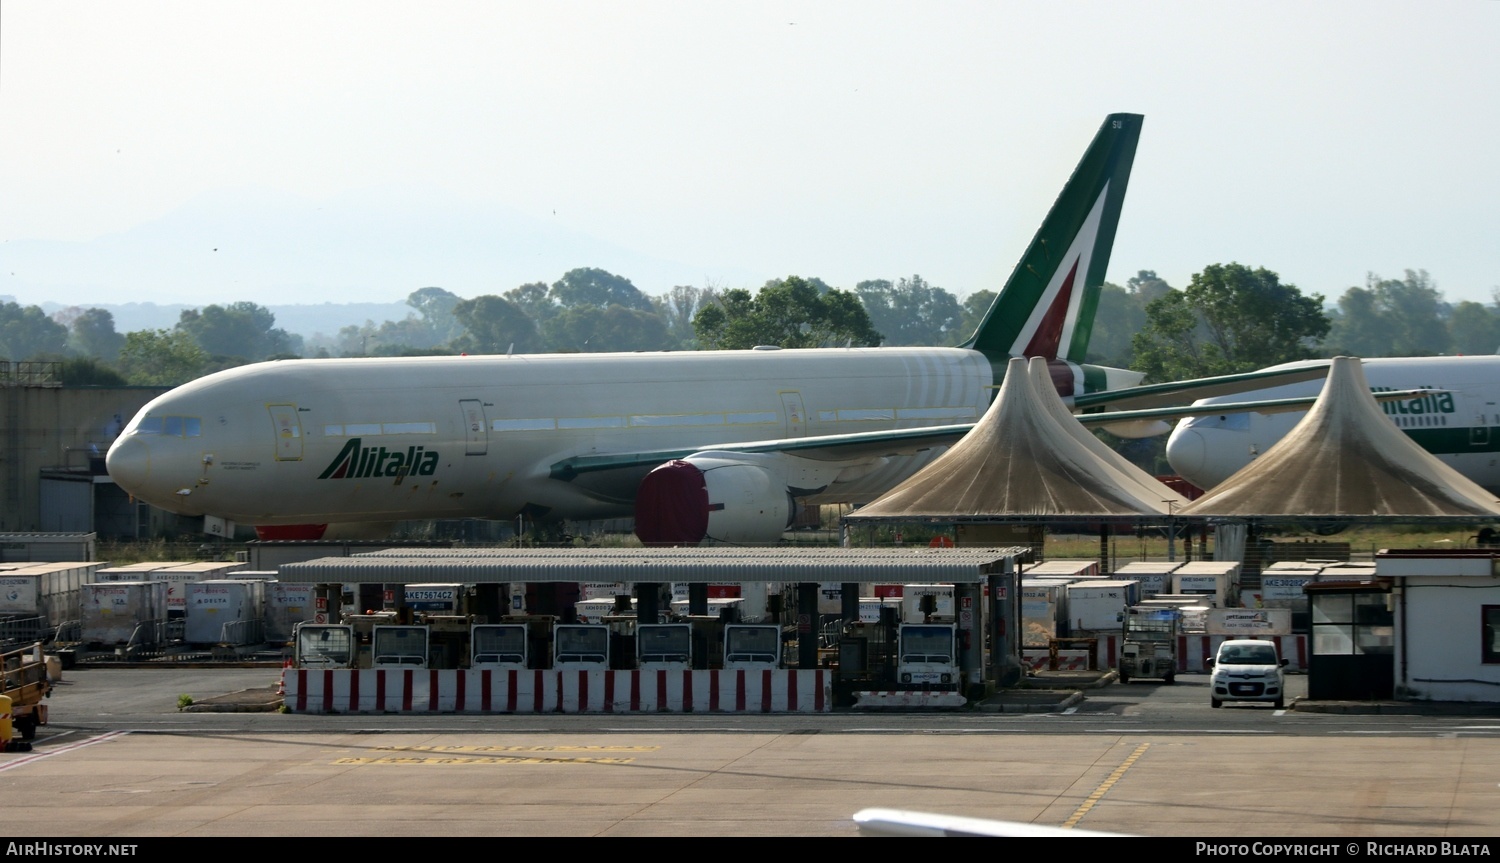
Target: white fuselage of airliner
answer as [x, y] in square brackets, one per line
[294, 441]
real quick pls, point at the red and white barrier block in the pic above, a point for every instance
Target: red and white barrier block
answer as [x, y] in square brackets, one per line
[392, 690]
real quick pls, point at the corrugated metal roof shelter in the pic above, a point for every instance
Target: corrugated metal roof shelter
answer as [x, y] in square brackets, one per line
[1025, 459]
[646, 565]
[1346, 459]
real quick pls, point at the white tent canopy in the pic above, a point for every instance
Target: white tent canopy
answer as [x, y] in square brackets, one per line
[1346, 458]
[1027, 457]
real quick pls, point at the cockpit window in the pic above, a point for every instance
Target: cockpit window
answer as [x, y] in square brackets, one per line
[174, 426]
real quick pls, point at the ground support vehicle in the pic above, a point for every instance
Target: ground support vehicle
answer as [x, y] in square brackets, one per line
[1148, 644]
[24, 680]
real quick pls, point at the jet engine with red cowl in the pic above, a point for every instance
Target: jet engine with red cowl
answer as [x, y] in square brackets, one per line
[729, 497]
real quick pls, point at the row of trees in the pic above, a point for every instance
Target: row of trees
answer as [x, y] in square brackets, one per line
[1229, 318]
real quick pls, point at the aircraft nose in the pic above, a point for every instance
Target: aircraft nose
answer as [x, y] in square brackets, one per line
[1187, 452]
[129, 464]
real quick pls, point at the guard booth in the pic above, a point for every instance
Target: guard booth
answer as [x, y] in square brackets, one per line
[1353, 641]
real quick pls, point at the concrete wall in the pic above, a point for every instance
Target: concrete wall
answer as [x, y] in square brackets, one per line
[55, 428]
[1441, 632]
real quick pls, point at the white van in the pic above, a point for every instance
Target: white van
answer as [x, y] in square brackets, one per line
[1247, 669]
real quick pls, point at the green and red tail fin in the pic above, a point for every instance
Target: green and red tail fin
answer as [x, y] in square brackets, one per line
[1047, 307]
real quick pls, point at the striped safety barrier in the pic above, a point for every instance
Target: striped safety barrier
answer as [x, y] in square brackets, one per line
[410, 690]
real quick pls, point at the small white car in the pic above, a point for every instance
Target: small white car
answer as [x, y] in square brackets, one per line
[1247, 669]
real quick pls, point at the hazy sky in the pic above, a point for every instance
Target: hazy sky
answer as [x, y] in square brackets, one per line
[337, 151]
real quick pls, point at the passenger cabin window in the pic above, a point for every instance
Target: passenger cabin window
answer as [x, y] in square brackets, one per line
[376, 429]
[172, 425]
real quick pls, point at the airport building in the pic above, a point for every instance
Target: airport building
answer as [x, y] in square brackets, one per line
[52, 444]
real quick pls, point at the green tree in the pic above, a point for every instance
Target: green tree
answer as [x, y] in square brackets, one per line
[678, 307]
[532, 299]
[93, 335]
[912, 312]
[494, 325]
[435, 306]
[27, 332]
[90, 372]
[1392, 318]
[1147, 286]
[588, 329]
[1121, 314]
[789, 313]
[242, 329]
[1229, 319]
[161, 358]
[595, 288]
[1474, 328]
[976, 306]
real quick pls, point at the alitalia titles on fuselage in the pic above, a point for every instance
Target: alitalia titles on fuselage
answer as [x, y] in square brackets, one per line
[356, 461]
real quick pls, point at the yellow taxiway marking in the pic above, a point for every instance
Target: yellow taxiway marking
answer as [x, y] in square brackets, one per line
[1104, 786]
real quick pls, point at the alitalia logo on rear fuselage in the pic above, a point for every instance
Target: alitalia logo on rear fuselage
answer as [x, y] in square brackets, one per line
[1439, 402]
[355, 461]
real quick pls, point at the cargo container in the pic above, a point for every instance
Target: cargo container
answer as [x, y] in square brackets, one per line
[1068, 568]
[1249, 622]
[37, 600]
[595, 610]
[942, 601]
[1043, 613]
[178, 577]
[435, 598]
[124, 614]
[287, 606]
[223, 611]
[1155, 576]
[131, 571]
[1217, 579]
[1096, 607]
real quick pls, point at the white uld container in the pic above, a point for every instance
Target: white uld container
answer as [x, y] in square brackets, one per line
[180, 576]
[223, 611]
[51, 591]
[1095, 607]
[1043, 608]
[287, 605]
[1155, 576]
[115, 612]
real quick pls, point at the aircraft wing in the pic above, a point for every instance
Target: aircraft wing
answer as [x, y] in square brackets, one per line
[1182, 392]
[877, 444]
[840, 447]
[1262, 406]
